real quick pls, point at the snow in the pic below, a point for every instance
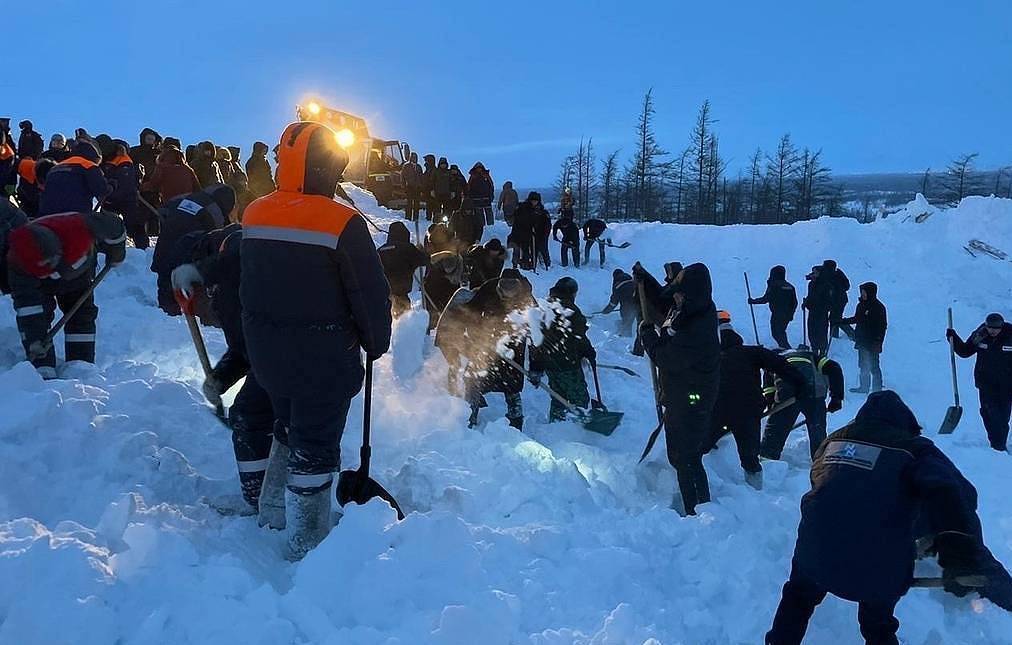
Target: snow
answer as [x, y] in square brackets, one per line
[550, 537]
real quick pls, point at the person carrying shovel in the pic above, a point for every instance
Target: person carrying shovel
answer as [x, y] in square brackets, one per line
[562, 350]
[51, 261]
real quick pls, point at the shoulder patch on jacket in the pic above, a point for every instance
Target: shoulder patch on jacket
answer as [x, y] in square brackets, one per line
[188, 206]
[846, 453]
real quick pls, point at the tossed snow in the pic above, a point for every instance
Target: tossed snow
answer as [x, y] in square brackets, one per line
[550, 537]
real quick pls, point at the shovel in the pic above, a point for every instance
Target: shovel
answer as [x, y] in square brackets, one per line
[955, 412]
[40, 348]
[618, 368]
[972, 582]
[598, 420]
[186, 306]
[356, 486]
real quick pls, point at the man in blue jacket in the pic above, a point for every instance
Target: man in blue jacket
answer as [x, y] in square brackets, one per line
[313, 298]
[874, 483]
[73, 185]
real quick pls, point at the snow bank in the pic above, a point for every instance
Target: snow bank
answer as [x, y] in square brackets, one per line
[551, 537]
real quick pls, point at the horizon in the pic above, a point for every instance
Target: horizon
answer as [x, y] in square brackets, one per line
[874, 95]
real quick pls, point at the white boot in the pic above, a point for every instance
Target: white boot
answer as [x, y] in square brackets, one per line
[755, 480]
[272, 494]
[309, 521]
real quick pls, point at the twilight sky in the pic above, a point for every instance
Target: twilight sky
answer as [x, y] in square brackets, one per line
[880, 86]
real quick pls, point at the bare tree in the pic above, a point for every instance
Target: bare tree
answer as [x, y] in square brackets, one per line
[781, 167]
[961, 179]
[645, 169]
[699, 144]
[754, 179]
[609, 187]
[566, 171]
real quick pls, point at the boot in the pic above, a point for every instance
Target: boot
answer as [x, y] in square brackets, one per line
[308, 522]
[755, 480]
[516, 422]
[272, 494]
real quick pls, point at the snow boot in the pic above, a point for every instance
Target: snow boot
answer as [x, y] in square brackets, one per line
[272, 494]
[755, 480]
[308, 520]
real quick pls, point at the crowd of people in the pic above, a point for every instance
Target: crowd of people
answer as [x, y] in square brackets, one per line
[233, 243]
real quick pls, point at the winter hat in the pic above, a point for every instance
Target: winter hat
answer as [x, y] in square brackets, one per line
[172, 142]
[494, 244]
[995, 321]
[617, 273]
[57, 141]
[723, 316]
[566, 288]
[779, 272]
[871, 289]
[260, 148]
[25, 125]
[534, 196]
[509, 283]
[86, 149]
[443, 163]
[398, 232]
[887, 409]
[105, 145]
[223, 195]
[829, 265]
[672, 269]
[36, 250]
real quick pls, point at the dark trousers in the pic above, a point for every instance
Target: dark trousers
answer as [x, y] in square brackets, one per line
[474, 394]
[778, 329]
[818, 330]
[252, 420]
[745, 429]
[835, 314]
[150, 217]
[801, 596]
[34, 321]
[413, 205]
[541, 252]
[586, 250]
[134, 220]
[570, 250]
[686, 424]
[871, 370]
[311, 427]
[779, 425]
[995, 410]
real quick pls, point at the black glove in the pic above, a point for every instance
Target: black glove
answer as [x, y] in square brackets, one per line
[752, 301]
[116, 254]
[535, 378]
[950, 334]
[835, 405]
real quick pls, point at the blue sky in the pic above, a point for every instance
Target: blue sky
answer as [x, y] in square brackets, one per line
[880, 86]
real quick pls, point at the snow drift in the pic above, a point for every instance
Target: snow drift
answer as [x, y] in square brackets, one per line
[551, 537]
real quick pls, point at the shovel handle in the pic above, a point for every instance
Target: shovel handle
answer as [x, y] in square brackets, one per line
[47, 340]
[952, 363]
[973, 582]
[552, 393]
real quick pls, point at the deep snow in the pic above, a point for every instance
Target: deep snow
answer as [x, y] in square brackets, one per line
[548, 537]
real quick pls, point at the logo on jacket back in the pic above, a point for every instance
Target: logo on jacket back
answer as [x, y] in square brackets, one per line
[190, 207]
[845, 453]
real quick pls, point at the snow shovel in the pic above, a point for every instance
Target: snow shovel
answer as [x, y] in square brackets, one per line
[186, 306]
[618, 368]
[955, 412]
[598, 420]
[751, 308]
[972, 582]
[356, 486]
[40, 348]
[656, 432]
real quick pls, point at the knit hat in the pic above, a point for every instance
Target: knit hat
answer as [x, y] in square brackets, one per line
[223, 195]
[995, 321]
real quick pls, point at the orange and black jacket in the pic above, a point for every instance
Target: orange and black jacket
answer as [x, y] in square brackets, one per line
[310, 270]
[124, 183]
[72, 184]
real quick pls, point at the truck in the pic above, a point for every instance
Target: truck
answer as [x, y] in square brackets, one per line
[374, 164]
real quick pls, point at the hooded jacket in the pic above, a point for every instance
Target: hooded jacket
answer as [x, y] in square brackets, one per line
[313, 290]
[526, 219]
[993, 370]
[124, 180]
[870, 479]
[400, 259]
[741, 367]
[171, 176]
[202, 211]
[479, 186]
[780, 295]
[11, 218]
[144, 155]
[485, 262]
[205, 166]
[489, 330]
[564, 342]
[593, 228]
[869, 319]
[441, 280]
[623, 295]
[686, 349]
[258, 171]
[72, 185]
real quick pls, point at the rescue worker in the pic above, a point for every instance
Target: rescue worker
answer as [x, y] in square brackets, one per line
[991, 343]
[51, 261]
[124, 178]
[438, 238]
[428, 185]
[73, 185]
[484, 262]
[411, 178]
[819, 302]
[570, 238]
[783, 302]
[872, 480]
[459, 187]
[400, 259]
[451, 335]
[205, 165]
[522, 232]
[508, 201]
[542, 231]
[441, 191]
[870, 323]
[258, 171]
[313, 296]
[841, 285]
[740, 401]
[623, 298]
[466, 225]
[250, 416]
[29, 142]
[57, 150]
[204, 210]
[11, 217]
[488, 330]
[686, 352]
[821, 376]
[563, 348]
[29, 189]
[593, 229]
[481, 190]
[444, 277]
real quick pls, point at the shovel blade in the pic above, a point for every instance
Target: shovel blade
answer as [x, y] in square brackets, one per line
[602, 422]
[951, 420]
[353, 487]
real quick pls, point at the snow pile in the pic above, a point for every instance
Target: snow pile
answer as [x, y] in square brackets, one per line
[550, 537]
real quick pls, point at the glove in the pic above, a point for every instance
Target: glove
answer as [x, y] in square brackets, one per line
[213, 389]
[185, 277]
[116, 254]
[950, 334]
[535, 378]
[835, 405]
[752, 301]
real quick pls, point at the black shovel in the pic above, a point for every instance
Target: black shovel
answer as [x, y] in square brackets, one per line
[955, 412]
[38, 349]
[356, 486]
